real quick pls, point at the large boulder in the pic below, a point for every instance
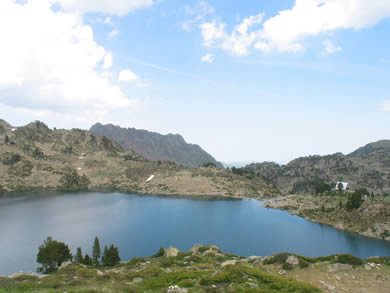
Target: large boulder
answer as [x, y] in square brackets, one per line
[292, 260]
[229, 263]
[171, 251]
[337, 267]
[195, 249]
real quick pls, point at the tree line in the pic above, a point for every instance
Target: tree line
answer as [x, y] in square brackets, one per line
[52, 253]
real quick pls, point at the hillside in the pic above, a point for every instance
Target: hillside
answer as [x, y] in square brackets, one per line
[155, 146]
[208, 269]
[368, 167]
[34, 157]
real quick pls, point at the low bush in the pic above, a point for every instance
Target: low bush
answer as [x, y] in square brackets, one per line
[159, 253]
[348, 259]
[287, 266]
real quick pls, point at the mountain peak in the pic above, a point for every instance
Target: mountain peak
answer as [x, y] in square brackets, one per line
[155, 146]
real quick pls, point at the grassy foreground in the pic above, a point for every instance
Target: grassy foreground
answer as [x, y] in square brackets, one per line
[207, 269]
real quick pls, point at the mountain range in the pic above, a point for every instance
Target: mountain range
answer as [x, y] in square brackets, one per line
[156, 147]
[367, 167]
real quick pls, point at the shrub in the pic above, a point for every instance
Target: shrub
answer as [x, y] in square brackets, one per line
[73, 181]
[159, 253]
[277, 258]
[287, 266]
[348, 259]
[10, 158]
[303, 264]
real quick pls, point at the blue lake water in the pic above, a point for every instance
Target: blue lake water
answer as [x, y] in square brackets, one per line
[140, 225]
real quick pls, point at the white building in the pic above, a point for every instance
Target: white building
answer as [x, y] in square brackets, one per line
[345, 186]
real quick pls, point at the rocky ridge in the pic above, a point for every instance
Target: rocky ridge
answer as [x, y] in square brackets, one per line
[35, 157]
[155, 146]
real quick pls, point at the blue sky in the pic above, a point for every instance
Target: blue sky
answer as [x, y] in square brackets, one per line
[246, 80]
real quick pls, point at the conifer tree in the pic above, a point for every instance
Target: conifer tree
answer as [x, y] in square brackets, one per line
[96, 251]
[78, 258]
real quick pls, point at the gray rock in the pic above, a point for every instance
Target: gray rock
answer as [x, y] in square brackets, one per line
[171, 252]
[228, 263]
[175, 288]
[137, 280]
[195, 249]
[252, 285]
[15, 275]
[65, 264]
[100, 273]
[292, 260]
[255, 259]
[338, 267]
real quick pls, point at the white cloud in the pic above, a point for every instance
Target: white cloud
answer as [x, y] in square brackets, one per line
[113, 7]
[107, 61]
[196, 14]
[386, 106]
[330, 48]
[51, 62]
[127, 75]
[108, 20]
[209, 58]
[113, 33]
[238, 42]
[286, 31]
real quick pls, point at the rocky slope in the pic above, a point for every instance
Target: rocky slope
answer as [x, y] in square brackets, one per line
[155, 146]
[208, 269]
[35, 157]
[371, 219]
[368, 167]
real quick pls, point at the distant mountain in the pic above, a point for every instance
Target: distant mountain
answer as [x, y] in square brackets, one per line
[236, 164]
[155, 146]
[379, 147]
[367, 167]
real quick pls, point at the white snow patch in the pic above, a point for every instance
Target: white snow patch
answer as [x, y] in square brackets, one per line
[150, 178]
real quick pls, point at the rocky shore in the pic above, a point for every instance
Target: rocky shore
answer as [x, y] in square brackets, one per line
[372, 219]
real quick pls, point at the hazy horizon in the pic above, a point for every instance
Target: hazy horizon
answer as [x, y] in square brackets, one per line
[245, 80]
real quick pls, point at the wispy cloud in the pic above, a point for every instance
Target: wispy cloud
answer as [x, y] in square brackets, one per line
[330, 48]
[208, 58]
[197, 14]
[113, 33]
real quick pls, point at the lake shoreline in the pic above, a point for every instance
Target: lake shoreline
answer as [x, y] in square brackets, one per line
[299, 205]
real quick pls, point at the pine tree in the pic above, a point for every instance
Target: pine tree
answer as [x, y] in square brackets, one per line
[111, 256]
[87, 260]
[96, 251]
[78, 258]
[105, 255]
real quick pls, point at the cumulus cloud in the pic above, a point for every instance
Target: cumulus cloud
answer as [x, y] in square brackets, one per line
[107, 62]
[208, 58]
[238, 42]
[286, 31]
[51, 62]
[386, 106]
[127, 75]
[112, 7]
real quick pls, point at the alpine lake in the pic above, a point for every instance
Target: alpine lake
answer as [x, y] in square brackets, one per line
[139, 225]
